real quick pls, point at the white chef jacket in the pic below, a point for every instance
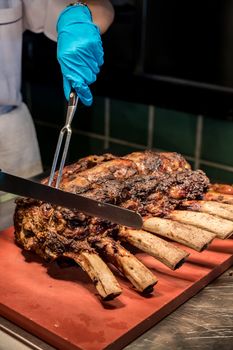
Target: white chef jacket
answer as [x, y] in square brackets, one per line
[19, 151]
[15, 16]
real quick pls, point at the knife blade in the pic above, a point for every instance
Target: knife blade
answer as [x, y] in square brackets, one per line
[27, 188]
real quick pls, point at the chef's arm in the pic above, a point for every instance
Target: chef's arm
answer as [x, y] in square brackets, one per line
[102, 13]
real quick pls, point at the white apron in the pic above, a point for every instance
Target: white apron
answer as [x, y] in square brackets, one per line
[19, 152]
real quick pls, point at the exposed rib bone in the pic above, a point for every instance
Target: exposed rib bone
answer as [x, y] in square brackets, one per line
[102, 277]
[188, 235]
[221, 227]
[218, 197]
[139, 275]
[160, 249]
[215, 208]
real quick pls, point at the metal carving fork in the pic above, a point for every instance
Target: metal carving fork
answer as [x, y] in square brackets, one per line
[72, 105]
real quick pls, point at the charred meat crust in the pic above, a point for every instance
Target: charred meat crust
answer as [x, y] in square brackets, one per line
[151, 183]
[148, 182]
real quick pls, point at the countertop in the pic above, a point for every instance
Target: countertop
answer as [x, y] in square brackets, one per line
[204, 322]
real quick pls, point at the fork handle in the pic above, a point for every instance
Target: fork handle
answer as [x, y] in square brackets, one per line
[73, 98]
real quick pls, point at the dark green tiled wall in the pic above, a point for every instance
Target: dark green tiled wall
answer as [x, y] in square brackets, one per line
[48, 113]
[82, 145]
[218, 175]
[121, 150]
[47, 138]
[47, 104]
[218, 141]
[174, 131]
[90, 119]
[129, 121]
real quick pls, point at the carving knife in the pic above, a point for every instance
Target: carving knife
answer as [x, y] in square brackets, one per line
[27, 188]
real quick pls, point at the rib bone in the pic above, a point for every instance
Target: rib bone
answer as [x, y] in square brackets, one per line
[188, 235]
[160, 249]
[221, 227]
[139, 275]
[219, 209]
[102, 277]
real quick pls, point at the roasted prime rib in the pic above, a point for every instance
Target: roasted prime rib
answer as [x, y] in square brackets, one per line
[156, 185]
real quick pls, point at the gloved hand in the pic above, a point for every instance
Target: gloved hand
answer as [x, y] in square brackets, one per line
[79, 51]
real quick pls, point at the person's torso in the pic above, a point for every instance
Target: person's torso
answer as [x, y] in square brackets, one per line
[16, 16]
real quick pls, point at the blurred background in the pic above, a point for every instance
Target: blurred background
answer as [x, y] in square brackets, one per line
[167, 84]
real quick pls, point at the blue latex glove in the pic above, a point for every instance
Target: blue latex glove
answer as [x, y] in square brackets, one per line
[79, 51]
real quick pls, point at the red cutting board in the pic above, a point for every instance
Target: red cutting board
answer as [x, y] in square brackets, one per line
[61, 306]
